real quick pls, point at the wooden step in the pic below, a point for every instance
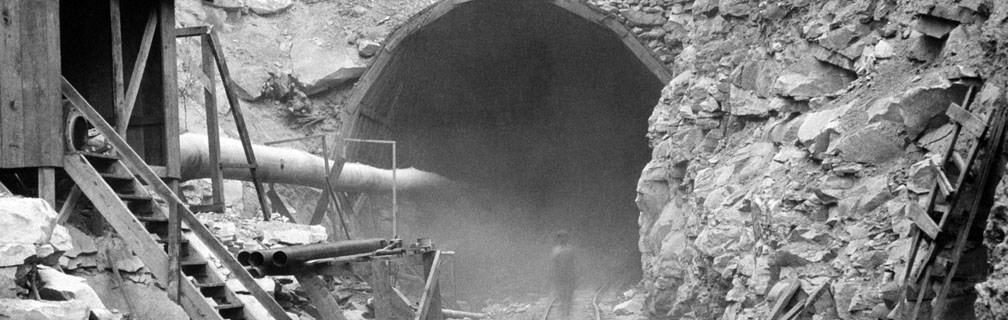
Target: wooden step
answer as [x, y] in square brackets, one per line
[101, 162]
[134, 197]
[214, 290]
[233, 310]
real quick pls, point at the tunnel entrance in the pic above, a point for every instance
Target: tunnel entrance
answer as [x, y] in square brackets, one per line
[542, 111]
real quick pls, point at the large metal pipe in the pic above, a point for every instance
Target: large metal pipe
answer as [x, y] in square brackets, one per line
[286, 256]
[290, 166]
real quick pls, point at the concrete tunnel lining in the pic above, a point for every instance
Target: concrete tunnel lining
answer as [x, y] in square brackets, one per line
[543, 102]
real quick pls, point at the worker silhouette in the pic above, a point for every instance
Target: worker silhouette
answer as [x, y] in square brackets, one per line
[563, 276]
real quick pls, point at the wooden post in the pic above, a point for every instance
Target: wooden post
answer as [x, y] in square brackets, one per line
[47, 185]
[174, 245]
[430, 301]
[118, 86]
[213, 127]
[236, 111]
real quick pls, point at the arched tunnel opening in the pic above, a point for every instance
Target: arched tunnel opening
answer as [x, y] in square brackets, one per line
[542, 114]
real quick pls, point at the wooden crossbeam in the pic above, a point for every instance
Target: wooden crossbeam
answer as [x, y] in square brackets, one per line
[126, 108]
[68, 205]
[969, 121]
[191, 31]
[430, 292]
[137, 166]
[922, 220]
[319, 295]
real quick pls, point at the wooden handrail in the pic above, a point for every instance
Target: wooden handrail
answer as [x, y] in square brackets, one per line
[134, 163]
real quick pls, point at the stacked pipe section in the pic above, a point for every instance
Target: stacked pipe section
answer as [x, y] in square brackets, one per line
[290, 166]
[281, 261]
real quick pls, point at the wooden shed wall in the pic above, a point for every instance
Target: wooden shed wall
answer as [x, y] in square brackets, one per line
[30, 110]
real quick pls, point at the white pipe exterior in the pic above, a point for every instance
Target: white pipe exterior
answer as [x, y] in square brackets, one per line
[290, 166]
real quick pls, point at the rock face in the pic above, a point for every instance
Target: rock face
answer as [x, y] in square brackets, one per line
[791, 157]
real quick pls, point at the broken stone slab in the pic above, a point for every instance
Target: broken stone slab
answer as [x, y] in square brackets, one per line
[817, 123]
[832, 57]
[367, 48]
[321, 66]
[951, 12]
[745, 103]
[821, 79]
[934, 27]
[25, 220]
[268, 7]
[62, 287]
[920, 108]
[630, 307]
[82, 243]
[8, 288]
[14, 254]
[875, 144]
[922, 176]
[44, 310]
[924, 48]
[636, 18]
[838, 39]
[274, 232]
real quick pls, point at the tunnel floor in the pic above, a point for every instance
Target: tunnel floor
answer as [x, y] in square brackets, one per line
[543, 114]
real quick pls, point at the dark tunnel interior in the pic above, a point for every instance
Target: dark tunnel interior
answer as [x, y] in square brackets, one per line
[544, 115]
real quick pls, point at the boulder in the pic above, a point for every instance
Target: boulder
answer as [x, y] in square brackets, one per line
[934, 27]
[838, 39]
[921, 179]
[874, 144]
[822, 79]
[884, 50]
[636, 18]
[44, 310]
[921, 107]
[821, 122]
[26, 220]
[320, 66]
[268, 7]
[62, 287]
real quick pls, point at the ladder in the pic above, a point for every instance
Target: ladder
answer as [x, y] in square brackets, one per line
[120, 188]
[944, 202]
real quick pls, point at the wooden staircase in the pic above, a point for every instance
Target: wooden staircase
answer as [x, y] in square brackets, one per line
[133, 199]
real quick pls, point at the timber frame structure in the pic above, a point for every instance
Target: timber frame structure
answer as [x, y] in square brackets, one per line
[78, 72]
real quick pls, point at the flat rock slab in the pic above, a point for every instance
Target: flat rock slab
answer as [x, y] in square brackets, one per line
[876, 143]
[63, 287]
[43, 310]
[321, 66]
[638, 18]
[268, 7]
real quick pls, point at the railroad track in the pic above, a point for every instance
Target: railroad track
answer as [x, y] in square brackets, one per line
[585, 304]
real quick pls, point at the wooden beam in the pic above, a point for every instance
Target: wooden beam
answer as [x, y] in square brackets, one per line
[236, 111]
[328, 194]
[47, 185]
[126, 108]
[430, 301]
[174, 246]
[118, 82]
[68, 205]
[11, 100]
[4, 191]
[922, 220]
[137, 166]
[169, 92]
[213, 126]
[319, 295]
[191, 31]
[381, 285]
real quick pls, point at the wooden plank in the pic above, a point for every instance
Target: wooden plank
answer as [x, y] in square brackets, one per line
[381, 285]
[4, 191]
[319, 295]
[782, 301]
[922, 220]
[191, 31]
[11, 102]
[68, 205]
[170, 93]
[118, 81]
[279, 205]
[32, 71]
[50, 122]
[136, 165]
[430, 301]
[47, 185]
[969, 121]
[213, 125]
[117, 214]
[236, 111]
[126, 109]
[174, 246]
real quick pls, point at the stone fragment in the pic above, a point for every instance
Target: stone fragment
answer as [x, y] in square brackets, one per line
[838, 39]
[320, 66]
[924, 48]
[884, 50]
[636, 18]
[830, 57]
[921, 178]
[82, 243]
[62, 287]
[630, 307]
[817, 123]
[705, 6]
[367, 48]
[746, 103]
[14, 254]
[823, 79]
[268, 7]
[874, 144]
[735, 8]
[934, 27]
[956, 13]
[43, 310]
